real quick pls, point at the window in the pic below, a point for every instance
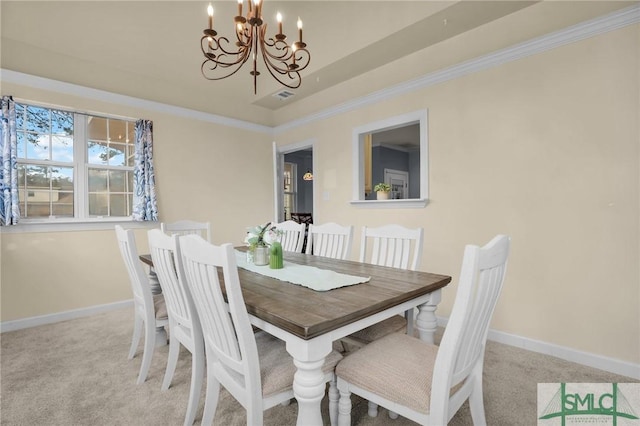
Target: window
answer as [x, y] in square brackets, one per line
[392, 151]
[73, 165]
[290, 177]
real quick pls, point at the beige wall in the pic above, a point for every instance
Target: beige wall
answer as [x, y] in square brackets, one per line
[544, 149]
[203, 172]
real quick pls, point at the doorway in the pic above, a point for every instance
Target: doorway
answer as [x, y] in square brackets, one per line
[294, 180]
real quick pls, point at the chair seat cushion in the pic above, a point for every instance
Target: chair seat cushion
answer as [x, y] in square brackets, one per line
[276, 365]
[397, 367]
[160, 306]
[376, 331]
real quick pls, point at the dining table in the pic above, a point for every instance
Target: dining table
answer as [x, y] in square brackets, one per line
[310, 321]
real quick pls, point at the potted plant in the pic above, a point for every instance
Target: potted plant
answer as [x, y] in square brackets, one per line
[259, 238]
[382, 190]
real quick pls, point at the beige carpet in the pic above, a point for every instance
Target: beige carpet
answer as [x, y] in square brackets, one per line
[77, 373]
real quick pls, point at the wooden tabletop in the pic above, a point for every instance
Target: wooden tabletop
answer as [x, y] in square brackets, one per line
[308, 313]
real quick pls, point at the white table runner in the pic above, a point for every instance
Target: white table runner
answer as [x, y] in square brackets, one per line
[306, 276]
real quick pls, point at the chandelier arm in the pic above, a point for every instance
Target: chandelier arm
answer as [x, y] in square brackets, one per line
[215, 67]
[210, 52]
[272, 60]
[212, 43]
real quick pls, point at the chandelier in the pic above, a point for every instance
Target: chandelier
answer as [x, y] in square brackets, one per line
[223, 58]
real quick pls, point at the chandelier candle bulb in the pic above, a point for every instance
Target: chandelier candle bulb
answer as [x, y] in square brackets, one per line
[210, 12]
[239, 7]
[279, 19]
[300, 30]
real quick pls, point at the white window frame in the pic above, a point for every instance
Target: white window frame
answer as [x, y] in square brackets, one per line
[81, 220]
[358, 161]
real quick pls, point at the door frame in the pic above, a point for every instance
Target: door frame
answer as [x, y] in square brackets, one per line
[278, 165]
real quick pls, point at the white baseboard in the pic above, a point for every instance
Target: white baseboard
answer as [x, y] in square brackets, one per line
[612, 365]
[62, 316]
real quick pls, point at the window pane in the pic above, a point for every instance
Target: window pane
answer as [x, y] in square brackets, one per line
[62, 178]
[119, 205]
[117, 180]
[98, 204]
[62, 204]
[116, 154]
[97, 180]
[130, 182]
[37, 177]
[98, 152]
[61, 123]
[97, 128]
[117, 131]
[38, 119]
[37, 146]
[130, 152]
[38, 204]
[62, 148]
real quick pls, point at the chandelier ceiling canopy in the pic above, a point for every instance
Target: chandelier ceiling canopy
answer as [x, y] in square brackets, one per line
[224, 58]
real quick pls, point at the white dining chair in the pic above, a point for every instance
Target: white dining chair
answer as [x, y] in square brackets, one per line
[423, 382]
[291, 235]
[394, 246]
[150, 312]
[187, 227]
[184, 324]
[255, 368]
[329, 240]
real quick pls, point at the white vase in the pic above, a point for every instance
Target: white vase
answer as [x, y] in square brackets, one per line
[382, 195]
[261, 255]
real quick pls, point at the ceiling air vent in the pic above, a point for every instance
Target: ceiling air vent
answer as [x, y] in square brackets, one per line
[283, 94]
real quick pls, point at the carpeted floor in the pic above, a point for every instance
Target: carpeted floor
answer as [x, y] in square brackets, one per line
[76, 373]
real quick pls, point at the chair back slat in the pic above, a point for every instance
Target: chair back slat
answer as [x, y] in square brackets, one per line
[291, 235]
[164, 249]
[187, 227]
[462, 346]
[143, 299]
[392, 245]
[329, 240]
[226, 327]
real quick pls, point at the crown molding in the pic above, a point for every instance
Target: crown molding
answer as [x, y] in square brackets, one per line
[572, 34]
[15, 77]
[575, 33]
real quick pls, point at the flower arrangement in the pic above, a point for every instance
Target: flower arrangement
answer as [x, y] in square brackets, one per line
[262, 236]
[382, 187]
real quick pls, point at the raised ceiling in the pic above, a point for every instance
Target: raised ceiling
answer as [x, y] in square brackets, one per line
[150, 49]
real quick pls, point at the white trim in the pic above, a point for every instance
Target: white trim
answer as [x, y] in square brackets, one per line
[62, 316]
[411, 203]
[420, 116]
[612, 365]
[25, 226]
[572, 34]
[15, 77]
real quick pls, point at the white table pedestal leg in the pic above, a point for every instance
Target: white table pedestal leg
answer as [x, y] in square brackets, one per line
[308, 382]
[426, 321]
[161, 333]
